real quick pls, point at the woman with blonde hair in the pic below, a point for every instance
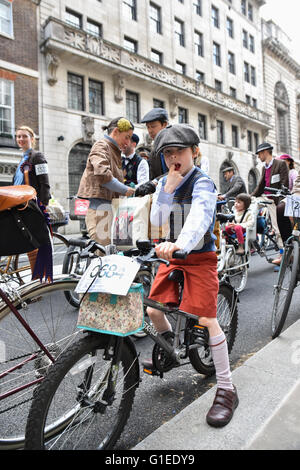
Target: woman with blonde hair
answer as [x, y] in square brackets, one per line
[33, 170]
[36, 164]
[103, 178]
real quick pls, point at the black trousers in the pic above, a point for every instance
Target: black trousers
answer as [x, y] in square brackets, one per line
[284, 223]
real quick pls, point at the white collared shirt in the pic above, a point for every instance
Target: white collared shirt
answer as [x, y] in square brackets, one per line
[199, 219]
[142, 175]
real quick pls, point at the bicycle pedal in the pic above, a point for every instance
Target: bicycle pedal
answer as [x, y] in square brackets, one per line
[201, 332]
[152, 372]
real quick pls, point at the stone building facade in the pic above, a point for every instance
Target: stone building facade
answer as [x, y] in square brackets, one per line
[18, 78]
[201, 60]
[282, 90]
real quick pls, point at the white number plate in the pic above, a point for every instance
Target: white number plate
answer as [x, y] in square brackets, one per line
[292, 206]
[114, 277]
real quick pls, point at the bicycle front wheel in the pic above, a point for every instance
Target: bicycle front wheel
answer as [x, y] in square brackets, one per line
[284, 289]
[79, 405]
[22, 363]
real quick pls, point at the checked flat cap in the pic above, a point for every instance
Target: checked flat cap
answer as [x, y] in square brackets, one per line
[176, 135]
[263, 146]
[156, 114]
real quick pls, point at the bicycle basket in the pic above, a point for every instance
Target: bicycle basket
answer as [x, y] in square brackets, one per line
[113, 314]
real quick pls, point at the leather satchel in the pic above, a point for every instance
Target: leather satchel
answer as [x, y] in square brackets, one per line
[12, 196]
[23, 229]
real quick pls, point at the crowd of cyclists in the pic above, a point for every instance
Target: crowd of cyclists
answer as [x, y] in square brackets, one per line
[172, 171]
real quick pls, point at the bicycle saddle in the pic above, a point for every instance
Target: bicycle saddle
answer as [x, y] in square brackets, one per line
[176, 275]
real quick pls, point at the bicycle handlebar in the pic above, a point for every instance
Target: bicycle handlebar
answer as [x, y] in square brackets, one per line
[284, 191]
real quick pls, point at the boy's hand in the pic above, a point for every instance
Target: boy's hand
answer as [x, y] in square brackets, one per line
[174, 178]
[165, 250]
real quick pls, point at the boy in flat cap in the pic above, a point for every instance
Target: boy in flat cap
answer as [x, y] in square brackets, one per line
[274, 174]
[156, 120]
[135, 168]
[188, 195]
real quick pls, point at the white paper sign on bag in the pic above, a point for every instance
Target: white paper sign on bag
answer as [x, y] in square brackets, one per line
[292, 206]
[112, 274]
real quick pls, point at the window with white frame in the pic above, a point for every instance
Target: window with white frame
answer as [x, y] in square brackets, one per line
[155, 18]
[6, 108]
[130, 9]
[179, 32]
[6, 22]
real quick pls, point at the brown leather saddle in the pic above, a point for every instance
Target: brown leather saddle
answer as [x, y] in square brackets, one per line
[12, 196]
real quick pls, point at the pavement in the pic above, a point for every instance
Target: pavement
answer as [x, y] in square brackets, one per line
[268, 415]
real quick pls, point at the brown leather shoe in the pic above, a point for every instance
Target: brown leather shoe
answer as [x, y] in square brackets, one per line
[223, 407]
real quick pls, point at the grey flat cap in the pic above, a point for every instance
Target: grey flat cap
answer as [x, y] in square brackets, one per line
[156, 114]
[176, 135]
[263, 146]
[229, 168]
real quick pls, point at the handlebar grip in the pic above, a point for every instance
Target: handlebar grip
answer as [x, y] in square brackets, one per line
[78, 242]
[179, 254]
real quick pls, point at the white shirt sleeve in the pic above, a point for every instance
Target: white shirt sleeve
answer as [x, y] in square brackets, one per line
[199, 219]
[142, 173]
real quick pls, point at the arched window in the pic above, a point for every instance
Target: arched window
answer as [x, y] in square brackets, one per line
[282, 117]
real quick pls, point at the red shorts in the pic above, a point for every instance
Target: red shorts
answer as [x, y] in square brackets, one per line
[201, 284]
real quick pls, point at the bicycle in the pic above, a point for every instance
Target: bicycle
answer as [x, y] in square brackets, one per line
[36, 325]
[89, 392]
[231, 267]
[288, 276]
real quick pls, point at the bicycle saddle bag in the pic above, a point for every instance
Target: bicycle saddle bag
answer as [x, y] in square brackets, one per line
[23, 229]
[12, 196]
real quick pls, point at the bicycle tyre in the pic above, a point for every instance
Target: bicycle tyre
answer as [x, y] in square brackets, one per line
[62, 382]
[236, 277]
[227, 315]
[54, 321]
[287, 280]
[73, 265]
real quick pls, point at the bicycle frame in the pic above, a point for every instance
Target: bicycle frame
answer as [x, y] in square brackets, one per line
[34, 356]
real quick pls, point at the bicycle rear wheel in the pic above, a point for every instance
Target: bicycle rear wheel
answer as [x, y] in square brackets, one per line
[75, 406]
[53, 320]
[227, 315]
[284, 289]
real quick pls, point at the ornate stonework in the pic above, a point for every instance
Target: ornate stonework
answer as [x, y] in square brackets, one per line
[56, 30]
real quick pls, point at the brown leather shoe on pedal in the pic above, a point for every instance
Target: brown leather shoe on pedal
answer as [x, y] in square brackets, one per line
[223, 407]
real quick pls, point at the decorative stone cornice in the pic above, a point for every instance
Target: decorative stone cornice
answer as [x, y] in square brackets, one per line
[282, 53]
[59, 37]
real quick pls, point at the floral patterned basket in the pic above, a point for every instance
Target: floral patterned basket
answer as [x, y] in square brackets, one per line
[113, 314]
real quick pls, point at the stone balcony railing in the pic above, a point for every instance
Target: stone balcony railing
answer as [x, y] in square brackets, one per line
[61, 37]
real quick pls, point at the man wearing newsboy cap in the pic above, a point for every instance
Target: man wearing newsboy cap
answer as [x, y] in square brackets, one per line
[156, 120]
[274, 175]
[236, 184]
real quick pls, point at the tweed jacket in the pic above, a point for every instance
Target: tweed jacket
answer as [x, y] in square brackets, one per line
[104, 162]
[236, 186]
[279, 176]
[38, 175]
[155, 166]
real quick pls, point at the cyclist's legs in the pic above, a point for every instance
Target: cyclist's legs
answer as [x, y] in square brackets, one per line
[273, 215]
[219, 351]
[98, 224]
[159, 320]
